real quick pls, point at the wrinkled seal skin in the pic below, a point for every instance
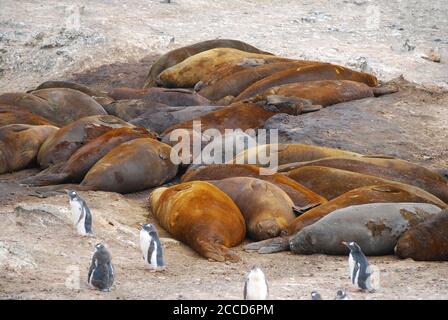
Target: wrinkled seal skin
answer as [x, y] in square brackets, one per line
[301, 196]
[170, 97]
[99, 96]
[290, 153]
[202, 216]
[61, 106]
[324, 93]
[234, 83]
[307, 73]
[426, 241]
[386, 168]
[60, 146]
[385, 193]
[331, 182]
[266, 208]
[162, 120]
[374, 227]
[204, 66]
[85, 157]
[17, 115]
[131, 167]
[20, 143]
[178, 55]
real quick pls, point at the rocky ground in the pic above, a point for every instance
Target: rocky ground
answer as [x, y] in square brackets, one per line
[114, 44]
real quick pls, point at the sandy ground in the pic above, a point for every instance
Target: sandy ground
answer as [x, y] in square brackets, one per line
[114, 44]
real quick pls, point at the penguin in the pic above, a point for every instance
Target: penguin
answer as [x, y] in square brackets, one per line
[151, 247]
[81, 215]
[101, 272]
[342, 295]
[256, 286]
[315, 296]
[359, 267]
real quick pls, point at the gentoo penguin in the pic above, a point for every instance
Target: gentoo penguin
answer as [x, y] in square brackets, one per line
[256, 286]
[315, 296]
[82, 218]
[359, 267]
[342, 295]
[101, 272]
[151, 247]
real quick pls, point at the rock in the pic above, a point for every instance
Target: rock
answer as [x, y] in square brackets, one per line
[15, 257]
[433, 55]
[59, 212]
[169, 242]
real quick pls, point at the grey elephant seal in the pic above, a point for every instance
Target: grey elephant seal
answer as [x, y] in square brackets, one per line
[375, 227]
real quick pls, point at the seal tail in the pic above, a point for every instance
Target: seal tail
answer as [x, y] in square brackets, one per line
[48, 191]
[49, 176]
[216, 251]
[381, 91]
[273, 245]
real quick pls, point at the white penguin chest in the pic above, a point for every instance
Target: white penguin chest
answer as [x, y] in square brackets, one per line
[79, 217]
[256, 289]
[352, 265]
[145, 242]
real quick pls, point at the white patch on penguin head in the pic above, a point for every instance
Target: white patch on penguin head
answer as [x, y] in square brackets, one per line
[72, 194]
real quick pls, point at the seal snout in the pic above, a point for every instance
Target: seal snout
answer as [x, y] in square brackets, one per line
[267, 229]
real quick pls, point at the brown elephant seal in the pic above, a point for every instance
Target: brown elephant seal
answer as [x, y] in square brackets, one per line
[166, 118]
[60, 146]
[331, 183]
[202, 216]
[17, 115]
[205, 65]
[131, 167]
[178, 55]
[20, 143]
[301, 196]
[100, 96]
[307, 73]
[85, 157]
[325, 92]
[426, 241]
[371, 194]
[131, 109]
[61, 106]
[375, 227]
[290, 153]
[170, 97]
[266, 208]
[235, 83]
[386, 168]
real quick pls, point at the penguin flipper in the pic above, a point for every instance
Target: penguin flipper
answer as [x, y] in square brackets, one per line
[216, 251]
[273, 245]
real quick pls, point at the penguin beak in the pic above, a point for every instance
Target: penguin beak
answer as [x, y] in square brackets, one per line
[344, 243]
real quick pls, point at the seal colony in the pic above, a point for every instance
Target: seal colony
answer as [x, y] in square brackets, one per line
[319, 197]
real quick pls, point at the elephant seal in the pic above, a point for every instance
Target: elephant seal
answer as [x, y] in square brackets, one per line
[371, 194]
[301, 196]
[426, 241]
[99, 96]
[375, 227]
[170, 97]
[290, 153]
[386, 168]
[85, 157]
[131, 167]
[205, 65]
[20, 143]
[202, 216]
[60, 146]
[18, 115]
[178, 55]
[234, 83]
[325, 92]
[131, 109]
[166, 118]
[331, 183]
[61, 106]
[266, 208]
[241, 115]
[307, 73]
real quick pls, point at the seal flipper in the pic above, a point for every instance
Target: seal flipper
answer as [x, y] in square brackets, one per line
[381, 91]
[49, 176]
[301, 210]
[216, 251]
[49, 191]
[273, 245]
